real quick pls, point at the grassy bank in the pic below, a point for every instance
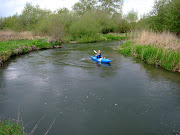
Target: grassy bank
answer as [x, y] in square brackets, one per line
[16, 47]
[116, 36]
[16, 43]
[96, 38]
[161, 50]
[10, 128]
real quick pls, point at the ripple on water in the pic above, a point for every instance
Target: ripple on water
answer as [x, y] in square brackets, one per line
[95, 98]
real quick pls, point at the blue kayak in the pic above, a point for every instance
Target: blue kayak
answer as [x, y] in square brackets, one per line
[101, 59]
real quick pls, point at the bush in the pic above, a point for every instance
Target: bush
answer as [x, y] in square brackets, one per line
[85, 25]
[165, 16]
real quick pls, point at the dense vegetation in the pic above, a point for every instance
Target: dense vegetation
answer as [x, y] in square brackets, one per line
[87, 20]
[165, 16]
[92, 17]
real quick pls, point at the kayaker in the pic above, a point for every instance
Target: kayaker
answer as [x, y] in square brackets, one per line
[99, 54]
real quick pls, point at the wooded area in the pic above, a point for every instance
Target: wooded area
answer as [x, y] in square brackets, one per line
[92, 17]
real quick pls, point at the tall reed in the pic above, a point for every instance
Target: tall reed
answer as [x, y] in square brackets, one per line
[164, 39]
[160, 49]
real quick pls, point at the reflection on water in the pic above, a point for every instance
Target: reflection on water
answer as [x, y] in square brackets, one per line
[85, 97]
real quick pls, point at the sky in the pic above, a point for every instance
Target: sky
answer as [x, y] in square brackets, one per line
[11, 7]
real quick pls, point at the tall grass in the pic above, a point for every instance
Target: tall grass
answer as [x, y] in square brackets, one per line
[12, 35]
[160, 49]
[11, 127]
[164, 39]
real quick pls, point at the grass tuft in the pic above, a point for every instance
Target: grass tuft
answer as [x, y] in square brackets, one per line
[11, 127]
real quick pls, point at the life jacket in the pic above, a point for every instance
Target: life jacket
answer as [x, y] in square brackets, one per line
[99, 56]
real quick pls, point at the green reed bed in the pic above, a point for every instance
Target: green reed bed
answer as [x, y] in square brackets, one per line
[151, 54]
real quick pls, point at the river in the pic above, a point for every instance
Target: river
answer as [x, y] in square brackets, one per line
[66, 89]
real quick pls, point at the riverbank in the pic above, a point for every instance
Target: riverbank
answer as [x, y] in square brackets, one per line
[161, 50]
[96, 38]
[11, 48]
[17, 43]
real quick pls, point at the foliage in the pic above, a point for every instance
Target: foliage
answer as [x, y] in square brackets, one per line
[105, 20]
[56, 28]
[8, 22]
[93, 20]
[112, 5]
[93, 17]
[56, 25]
[132, 16]
[10, 128]
[90, 39]
[121, 24]
[67, 18]
[84, 6]
[85, 25]
[165, 16]
[30, 16]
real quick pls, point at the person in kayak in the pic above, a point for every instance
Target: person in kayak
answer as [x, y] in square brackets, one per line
[99, 54]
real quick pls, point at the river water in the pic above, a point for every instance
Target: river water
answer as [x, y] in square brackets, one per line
[66, 89]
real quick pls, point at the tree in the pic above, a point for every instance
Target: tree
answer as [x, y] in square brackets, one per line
[165, 16]
[132, 16]
[111, 6]
[85, 25]
[67, 18]
[56, 28]
[105, 21]
[31, 15]
[121, 24]
[84, 5]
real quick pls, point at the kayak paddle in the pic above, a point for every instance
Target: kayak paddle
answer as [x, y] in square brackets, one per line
[95, 51]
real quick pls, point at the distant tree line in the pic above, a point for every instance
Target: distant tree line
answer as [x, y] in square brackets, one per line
[91, 17]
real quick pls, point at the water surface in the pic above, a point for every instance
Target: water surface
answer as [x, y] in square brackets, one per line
[86, 98]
